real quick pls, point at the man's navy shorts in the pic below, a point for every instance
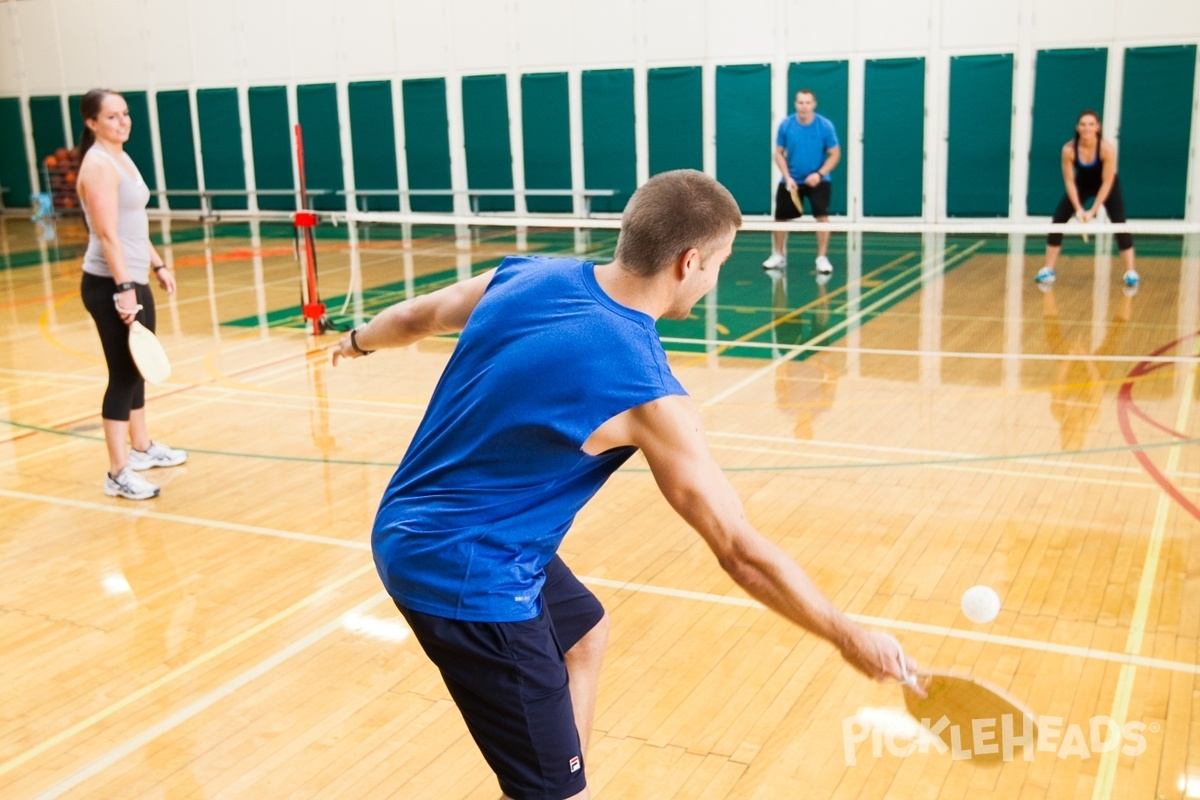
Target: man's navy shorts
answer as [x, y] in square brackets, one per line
[509, 680]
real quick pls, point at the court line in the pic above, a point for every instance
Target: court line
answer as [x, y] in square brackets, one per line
[142, 513]
[729, 344]
[625, 585]
[835, 328]
[179, 672]
[916, 627]
[1107, 771]
[148, 735]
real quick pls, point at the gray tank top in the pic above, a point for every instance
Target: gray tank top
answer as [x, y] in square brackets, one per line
[133, 226]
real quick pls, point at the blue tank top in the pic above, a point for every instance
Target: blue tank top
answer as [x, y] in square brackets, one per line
[494, 475]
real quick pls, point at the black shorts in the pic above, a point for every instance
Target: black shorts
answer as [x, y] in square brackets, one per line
[818, 200]
[509, 680]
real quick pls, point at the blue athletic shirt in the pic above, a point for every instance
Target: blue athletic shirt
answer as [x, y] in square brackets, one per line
[495, 475]
[806, 146]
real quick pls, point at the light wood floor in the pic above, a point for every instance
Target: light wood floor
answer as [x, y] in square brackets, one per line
[231, 640]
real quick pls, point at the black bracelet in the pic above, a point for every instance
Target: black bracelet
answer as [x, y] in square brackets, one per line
[124, 287]
[157, 267]
[354, 343]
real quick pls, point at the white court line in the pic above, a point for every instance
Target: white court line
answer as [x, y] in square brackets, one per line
[916, 627]
[1065, 462]
[184, 520]
[881, 351]
[148, 735]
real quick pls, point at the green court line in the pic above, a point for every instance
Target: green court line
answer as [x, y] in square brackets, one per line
[936, 462]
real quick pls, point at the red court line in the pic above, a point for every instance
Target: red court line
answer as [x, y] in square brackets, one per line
[1126, 405]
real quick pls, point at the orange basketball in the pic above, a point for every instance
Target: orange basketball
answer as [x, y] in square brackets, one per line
[61, 153]
[51, 162]
[71, 178]
[68, 202]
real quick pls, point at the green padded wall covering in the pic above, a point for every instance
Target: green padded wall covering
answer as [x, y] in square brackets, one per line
[221, 144]
[485, 133]
[427, 141]
[373, 143]
[609, 145]
[977, 168]
[48, 135]
[675, 119]
[893, 137]
[271, 145]
[745, 140]
[1156, 130]
[546, 130]
[178, 151]
[14, 164]
[317, 113]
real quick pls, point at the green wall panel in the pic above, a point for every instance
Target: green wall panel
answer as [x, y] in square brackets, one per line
[1156, 129]
[76, 117]
[14, 164]
[485, 133]
[317, 113]
[48, 135]
[221, 144]
[745, 139]
[271, 145]
[830, 81]
[139, 147]
[546, 130]
[675, 119]
[1065, 83]
[427, 141]
[609, 144]
[893, 137]
[980, 139]
[373, 142]
[178, 148]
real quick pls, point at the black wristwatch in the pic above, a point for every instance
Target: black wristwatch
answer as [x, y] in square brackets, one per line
[124, 287]
[354, 343]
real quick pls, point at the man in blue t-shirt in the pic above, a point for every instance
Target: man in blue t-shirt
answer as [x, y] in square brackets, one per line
[806, 151]
[557, 378]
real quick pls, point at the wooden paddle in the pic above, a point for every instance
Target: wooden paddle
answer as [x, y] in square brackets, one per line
[148, 354]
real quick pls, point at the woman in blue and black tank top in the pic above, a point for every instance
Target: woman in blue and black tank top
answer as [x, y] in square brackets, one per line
[115, 287]
[1089, 166]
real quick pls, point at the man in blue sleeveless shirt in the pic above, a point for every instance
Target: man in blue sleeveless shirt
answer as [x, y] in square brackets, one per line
[557, 379]
[806, 151]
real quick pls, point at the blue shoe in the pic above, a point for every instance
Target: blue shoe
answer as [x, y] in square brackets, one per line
[1132, 279]
[1044, 278]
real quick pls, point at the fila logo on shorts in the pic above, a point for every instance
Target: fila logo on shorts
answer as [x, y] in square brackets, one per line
[574, 763]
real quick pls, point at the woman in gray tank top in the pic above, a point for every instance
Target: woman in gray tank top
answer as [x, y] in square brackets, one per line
[115, 287]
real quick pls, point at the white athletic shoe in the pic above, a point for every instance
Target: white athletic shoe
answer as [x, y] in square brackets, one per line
[130, 485]
[1044, 278]
[157, 455]
[824, 278]
[823, 265]
[776, 261]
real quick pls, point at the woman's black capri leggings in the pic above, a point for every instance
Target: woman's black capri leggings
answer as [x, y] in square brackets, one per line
[1114, 205]
[126, 389]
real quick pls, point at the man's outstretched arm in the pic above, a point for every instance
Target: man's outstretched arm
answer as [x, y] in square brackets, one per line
[444, 311]
[670, 434]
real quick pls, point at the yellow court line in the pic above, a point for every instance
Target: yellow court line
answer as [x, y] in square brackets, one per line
[1106, 774]
[797, 350]
[791, 314]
